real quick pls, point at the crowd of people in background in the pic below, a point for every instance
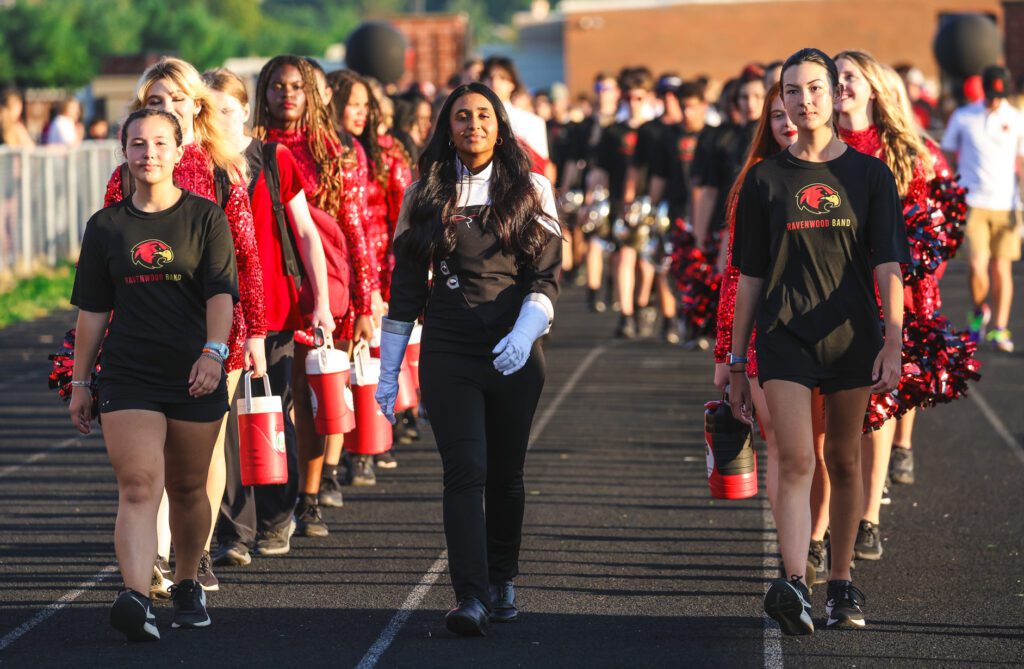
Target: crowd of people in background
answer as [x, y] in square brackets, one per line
[656, 177]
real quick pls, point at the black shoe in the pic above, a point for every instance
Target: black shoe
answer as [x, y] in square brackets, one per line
[817, 565]
[670, 331]
[385, 460]
[503, 603]
[163, 579]
[189, 605]
[234, 554]
[596, 304]
[843, 606]
[330, 491]
[627, 328]
[901, 466]
[869, 542]
[132, 615]
[308, 521]
[788, 604]
[362, 471]
[409, 425]
[206, 577]
[276, 542]
[468, 618]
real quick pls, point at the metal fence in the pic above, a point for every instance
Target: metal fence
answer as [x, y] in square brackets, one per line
[46, 196]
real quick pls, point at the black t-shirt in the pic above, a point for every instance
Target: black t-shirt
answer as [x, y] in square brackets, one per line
[672, 160]
[814, 232]
[155, 271]
[648, 141]
[559, 146]
[614, 155]
[718, 159]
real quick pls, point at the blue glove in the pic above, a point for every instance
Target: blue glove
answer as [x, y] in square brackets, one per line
[534, 320]
[394, 338]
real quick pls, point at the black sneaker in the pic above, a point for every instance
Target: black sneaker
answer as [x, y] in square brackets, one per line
[234, 554]
[163, 579]
[843, 606]
[670, 331]
[627, 327]
[276, 542]
[308, 521]
[206, 577]
[409, 425]
[189, 605]
[132, 615]
[817, 565]
[788, 603]
[362, 471]
[901, 466]
[385, 460]
[330, 491]
[869, 542]
[596, 304]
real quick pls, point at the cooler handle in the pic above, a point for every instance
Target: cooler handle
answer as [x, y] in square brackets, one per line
[322, 338]
[248, 390]
[360, 355]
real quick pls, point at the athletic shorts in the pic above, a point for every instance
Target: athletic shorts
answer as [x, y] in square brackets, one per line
[204, 409]
[781, 357]
[993, 233]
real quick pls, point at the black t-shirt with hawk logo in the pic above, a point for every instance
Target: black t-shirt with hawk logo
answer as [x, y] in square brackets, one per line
[614, 154]
[155, 271]
[814, 232]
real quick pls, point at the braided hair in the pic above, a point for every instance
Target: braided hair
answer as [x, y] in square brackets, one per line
[329, 153]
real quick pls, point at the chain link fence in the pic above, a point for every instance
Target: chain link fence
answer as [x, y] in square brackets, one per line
[46, 196]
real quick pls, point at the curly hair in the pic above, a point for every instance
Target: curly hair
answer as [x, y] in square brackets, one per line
[515, 204]
[329, 152]
[342, 82]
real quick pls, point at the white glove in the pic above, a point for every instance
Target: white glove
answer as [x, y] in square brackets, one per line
[534, 320]
[393, 340]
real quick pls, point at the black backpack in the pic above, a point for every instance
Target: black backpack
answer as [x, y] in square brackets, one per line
[271, 172]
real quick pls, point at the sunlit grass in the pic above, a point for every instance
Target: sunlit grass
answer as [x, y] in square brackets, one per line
[38, 295]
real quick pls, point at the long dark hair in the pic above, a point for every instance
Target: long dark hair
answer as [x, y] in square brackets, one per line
[342, 82]
[515, 204]
[324, 143]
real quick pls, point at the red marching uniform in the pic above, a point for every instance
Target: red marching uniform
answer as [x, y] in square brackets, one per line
[384, 200]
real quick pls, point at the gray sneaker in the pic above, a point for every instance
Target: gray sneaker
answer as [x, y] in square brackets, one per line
[901, 466]
[330, 492]
[234, 554]
[309, 522]
[276, 542]
[206, 577]
[869, 542]
[163, 579]
[362, 471]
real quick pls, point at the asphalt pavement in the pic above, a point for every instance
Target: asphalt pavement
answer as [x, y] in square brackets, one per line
[627, 561]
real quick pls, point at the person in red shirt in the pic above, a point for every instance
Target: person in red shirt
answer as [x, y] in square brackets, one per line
[291, 254]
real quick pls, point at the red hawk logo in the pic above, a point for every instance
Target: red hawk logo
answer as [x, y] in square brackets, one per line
[818, 199]
[152, 254]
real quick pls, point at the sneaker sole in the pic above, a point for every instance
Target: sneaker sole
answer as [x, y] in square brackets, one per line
[233, 560]
[789, 612]
[329, 502]
[129, 618]
[465, 626]
[162, 591]
[387, 465]
[314, 532]
[870, 557]
[844, 623]
[210, 588]
[187, 626]
[272, 552]
[902, 479]
[363, 483]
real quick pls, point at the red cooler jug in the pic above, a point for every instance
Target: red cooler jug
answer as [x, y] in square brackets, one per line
[407, 397]
[327, 370]
[412, 353]
[373, 431]
[732, 462]
[261, 437]
[348, 423]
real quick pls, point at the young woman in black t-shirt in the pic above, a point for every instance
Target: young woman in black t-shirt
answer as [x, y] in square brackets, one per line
[488, 229]
[811, 224]
[163, 262]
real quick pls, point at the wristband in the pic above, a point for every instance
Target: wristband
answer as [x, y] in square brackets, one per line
[733, 359]
[218, 348]
[212, 356]
[81, 384]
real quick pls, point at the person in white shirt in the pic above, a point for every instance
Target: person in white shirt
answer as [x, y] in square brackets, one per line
[501, 76]
[63, 129]
[985, 141]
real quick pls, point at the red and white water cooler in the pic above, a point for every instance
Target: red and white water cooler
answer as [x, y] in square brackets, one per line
[261, 437]
[372, 434]
[327, 370]
[731, 459]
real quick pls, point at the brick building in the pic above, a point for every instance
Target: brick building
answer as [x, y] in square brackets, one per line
[718, 38]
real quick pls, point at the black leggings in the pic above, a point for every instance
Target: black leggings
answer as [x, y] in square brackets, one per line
[481, 422]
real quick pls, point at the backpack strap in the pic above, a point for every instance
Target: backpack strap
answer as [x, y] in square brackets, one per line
[221, 187]
[272, 174]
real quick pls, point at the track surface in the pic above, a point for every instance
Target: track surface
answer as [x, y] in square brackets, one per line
[626, 562]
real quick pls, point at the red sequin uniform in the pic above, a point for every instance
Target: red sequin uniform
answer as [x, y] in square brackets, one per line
[350, 217]
[195, 173]
[727, 306]
[383, 204]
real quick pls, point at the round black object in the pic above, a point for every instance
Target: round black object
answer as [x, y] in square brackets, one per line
[967, 44]
[376, 49]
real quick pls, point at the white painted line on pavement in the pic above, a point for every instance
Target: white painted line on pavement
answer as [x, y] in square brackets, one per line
[43, 615]
[60, 446]
[997, 423]
[773, 658]
[411, 603]
[415, 597]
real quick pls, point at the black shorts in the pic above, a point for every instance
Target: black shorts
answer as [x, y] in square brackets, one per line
[204, 409]
[782, 357]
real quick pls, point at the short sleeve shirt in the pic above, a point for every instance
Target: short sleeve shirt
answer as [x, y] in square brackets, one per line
[987, 145]
[155, 271]
[614, 155]
[672, 160]
[814, 232]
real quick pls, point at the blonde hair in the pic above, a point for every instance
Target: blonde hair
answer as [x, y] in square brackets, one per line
[901, 144]
[206, 131]
[898, 92]
[225, 81]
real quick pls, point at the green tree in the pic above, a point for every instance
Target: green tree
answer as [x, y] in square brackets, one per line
[44, 46]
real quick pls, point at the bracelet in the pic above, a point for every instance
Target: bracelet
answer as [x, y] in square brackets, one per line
[212, 356]
[214, 353]
[81, 384]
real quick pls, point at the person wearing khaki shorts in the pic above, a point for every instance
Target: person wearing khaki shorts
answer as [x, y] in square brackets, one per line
[993, 234]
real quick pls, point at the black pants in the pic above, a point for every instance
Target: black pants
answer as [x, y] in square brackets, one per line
[481, 422]
[246, 510]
